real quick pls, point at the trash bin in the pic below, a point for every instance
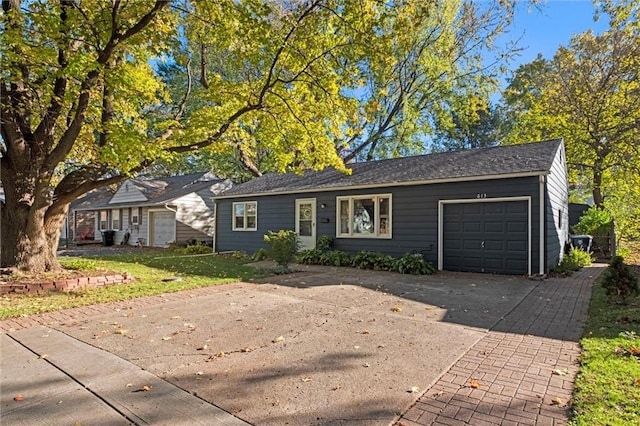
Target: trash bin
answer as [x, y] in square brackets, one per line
[582, 242]
[108, 237]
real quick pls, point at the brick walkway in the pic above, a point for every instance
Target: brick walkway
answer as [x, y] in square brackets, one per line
[522, 371]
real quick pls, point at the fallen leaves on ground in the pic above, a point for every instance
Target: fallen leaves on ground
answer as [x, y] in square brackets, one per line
[144, 388]
[396, 309]
[557, 401]
[306, 379]
[560, 372]
[414, 389]
[278, 339]
[18, 398]
[43, 356]
[202, 348]
[473, 383]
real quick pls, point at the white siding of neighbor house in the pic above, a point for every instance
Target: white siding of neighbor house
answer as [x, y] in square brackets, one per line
[194, 217]
[127, 193]
[557, 209]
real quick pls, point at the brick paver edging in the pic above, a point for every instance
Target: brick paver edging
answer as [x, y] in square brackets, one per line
[90, 311]
[64, 284]
[522, 371]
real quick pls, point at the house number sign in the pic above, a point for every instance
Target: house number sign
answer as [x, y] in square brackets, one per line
[481, 195]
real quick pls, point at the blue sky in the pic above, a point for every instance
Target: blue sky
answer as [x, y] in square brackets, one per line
[552, 24]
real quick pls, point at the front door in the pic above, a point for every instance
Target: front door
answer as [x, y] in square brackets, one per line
[306, 222]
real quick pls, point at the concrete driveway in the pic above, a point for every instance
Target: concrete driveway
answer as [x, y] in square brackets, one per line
[321, 346]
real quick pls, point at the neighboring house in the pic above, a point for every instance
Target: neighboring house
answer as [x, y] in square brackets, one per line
[158, 211]
[81, 224]
[497, 210]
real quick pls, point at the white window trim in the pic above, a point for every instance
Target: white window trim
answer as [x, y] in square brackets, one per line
[376, 234]
[233, 216]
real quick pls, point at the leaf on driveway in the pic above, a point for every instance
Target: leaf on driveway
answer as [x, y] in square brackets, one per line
[120, 331]
[18, 398]
[202, 348]
[473, 383]
[144, 388]
[396, 309]
[166, 338]
[556, 401]
[414, 389]
[278, 339]
[560, 372]
[247, 349]
[306, 379]
[43, 356]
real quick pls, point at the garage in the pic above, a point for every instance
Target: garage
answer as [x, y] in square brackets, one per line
[486, 236]
[163, 228]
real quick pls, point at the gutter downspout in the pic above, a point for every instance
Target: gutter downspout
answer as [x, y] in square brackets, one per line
[215, 226]
[542, 231]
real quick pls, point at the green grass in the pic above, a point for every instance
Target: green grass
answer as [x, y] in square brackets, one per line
[607, 390]
[148, 268]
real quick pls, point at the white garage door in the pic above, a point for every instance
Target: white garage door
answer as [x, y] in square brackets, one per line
[163, 228]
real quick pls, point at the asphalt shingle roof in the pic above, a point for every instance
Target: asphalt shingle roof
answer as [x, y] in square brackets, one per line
[160, 190]
[534, 157]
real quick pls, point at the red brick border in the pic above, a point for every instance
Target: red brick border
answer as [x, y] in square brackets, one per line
[65, 284]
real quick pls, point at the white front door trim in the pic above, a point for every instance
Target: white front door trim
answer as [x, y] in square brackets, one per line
[308, 242]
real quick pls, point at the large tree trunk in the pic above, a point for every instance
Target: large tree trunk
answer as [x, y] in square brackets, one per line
[30, 225]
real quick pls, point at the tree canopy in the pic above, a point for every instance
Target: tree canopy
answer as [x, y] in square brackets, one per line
[588, 94]
[93, 92]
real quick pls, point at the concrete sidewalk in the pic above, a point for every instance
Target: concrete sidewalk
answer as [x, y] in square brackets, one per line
[522, 371]
[63, 381]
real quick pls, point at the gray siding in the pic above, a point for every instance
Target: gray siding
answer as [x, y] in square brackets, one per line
[556, 211]
[414, 216]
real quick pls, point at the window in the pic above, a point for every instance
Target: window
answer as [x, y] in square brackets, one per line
[245, 216]
[116, 219]
[103, 219]
[134, 215]
[365, 216]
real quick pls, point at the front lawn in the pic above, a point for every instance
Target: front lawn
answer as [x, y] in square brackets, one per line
[607, 389]
[149, 269]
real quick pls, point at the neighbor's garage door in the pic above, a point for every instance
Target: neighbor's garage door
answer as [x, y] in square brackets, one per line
[486, 237]
[163, 228]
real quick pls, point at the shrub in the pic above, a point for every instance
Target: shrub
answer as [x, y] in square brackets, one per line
[283, 246]
[324, 243]
[579, 257]
[619, 281]
[309, 257]
[413, 264]
[370, 260]
[260, 254]
[198, 249]
[573, 261]
[594, 221]
[336, 258]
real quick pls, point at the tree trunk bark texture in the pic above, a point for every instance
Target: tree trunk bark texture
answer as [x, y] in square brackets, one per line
[30, 227]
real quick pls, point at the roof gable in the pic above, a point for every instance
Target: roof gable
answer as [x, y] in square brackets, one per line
[145, 191]
[128, 192]
[500, 161]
